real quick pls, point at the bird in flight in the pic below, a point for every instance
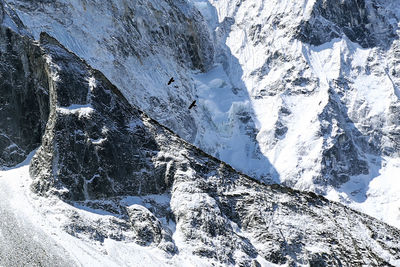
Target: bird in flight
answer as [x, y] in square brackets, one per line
[171, 80]
[193, 104]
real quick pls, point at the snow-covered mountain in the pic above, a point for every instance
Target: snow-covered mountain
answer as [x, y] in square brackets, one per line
[303, 93]
[109, 181]
[299, 93]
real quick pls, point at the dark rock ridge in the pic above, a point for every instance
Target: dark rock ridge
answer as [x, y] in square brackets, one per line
[363, 21]
[98, 148]
[358, 135]
[342, 158]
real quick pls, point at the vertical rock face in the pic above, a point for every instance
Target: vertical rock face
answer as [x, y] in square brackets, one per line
[131, 39]
[140, 45]
[255, 69]
[23, 99]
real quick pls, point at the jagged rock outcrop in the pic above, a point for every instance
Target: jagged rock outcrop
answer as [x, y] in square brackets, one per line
[219, 213]
[132, 39]
[263, 58]
[129, 40]
[95, 145]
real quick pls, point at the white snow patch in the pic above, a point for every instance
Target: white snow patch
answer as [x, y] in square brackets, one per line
[82, 110]
[92, 83]
[98, 141]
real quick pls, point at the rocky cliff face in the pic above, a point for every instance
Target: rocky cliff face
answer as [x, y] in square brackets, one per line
[100, 153]
[24, 98]
[95, 145]
[141, 44]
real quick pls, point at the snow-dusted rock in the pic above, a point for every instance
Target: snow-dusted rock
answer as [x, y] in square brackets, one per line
[103, 155]
[323, 84]
[140, 45]
[320, 105]
[300, 93]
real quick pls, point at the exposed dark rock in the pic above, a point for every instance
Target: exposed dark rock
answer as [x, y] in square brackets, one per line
[148, 229]
[96, 145]
[23, 99]
[341, 157]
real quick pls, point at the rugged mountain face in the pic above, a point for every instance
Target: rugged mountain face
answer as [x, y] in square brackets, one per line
[140, 45]
[323, 85]
[302, 93]
[101, 154]
[130, 40]
[95, 145]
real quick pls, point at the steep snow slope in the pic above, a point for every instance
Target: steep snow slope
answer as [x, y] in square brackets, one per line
[22, 241]
[309, 86]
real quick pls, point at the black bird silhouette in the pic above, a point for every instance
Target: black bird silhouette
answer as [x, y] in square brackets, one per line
[193, 104]
[171, 80]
